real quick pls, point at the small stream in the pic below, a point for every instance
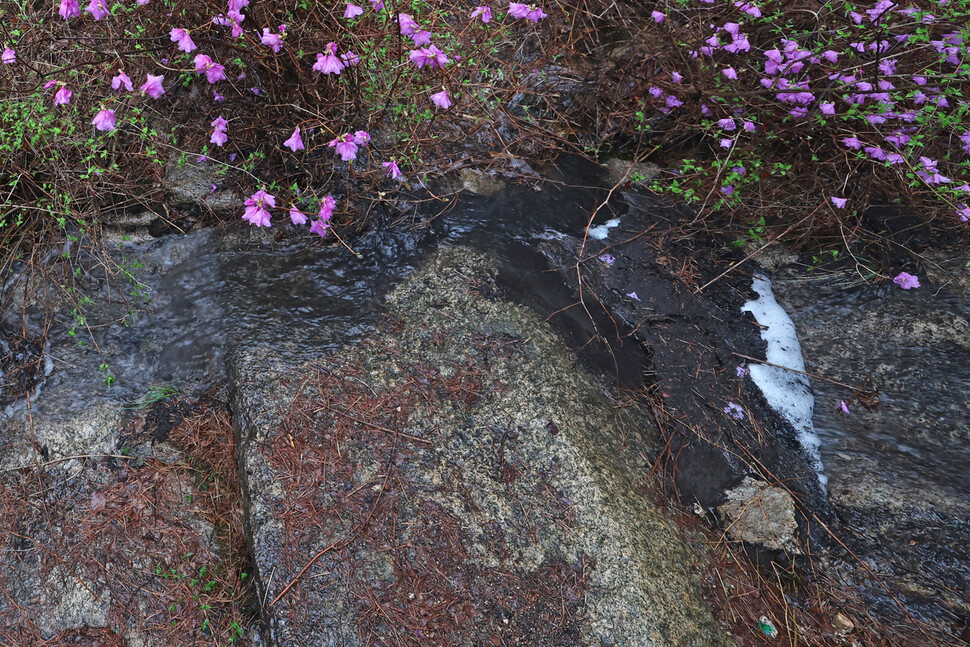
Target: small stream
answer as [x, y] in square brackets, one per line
[913, 347]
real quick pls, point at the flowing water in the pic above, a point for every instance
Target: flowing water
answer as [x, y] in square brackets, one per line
[914, 348]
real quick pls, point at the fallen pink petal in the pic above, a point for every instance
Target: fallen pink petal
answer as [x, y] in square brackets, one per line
[906, 281]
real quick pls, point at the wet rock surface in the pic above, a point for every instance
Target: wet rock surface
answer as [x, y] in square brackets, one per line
[114, 512]
[131, 548]
[694, 344]
[197, 185]
[432, 454]
[454, 476]
[119, 350]
[897, 462]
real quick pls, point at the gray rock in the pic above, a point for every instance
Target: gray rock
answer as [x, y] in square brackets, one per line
[636, 172]
[763, 515]
[191, 186]
[481, 183]
[455, 474]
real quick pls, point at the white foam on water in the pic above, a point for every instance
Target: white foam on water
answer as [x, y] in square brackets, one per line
[787, 392]
[600, 232]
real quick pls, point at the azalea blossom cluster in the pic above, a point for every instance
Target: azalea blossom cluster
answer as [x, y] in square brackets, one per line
[259, 205]
[221, 49]
[877, 86]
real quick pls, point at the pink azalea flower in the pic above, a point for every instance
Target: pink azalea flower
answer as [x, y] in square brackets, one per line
[727, 124]
[441, 100]
[676, 77]
[633, 295]
[906, 281]
[535, 15]
[182, 37]
[898, 139]
[407, 24]
[519, 10]
[142, 3]
[69, 9]
[964, 212]
[345, 146]
[430, 56]
[63, 96]
[320, 228]
[297, 217]
[392, 170]
[121, 80]
[271, 40]
[827, 108]
[213, 71]
[741, 371]
[745, 7]
[104, 120]
[295, 142]
[852, 142]
[830, 56]
[843, 407]
[349, 59]
[377, 5]
[484, 12]
[353, 10]
[257, 208]
[97, 9]
[361, 138]
[607, 259]
[838, 202]
[9, 57]
[421, 38]
[328, 63]
[326, 209]
[730, 73]
[657, 16]
[153, 86]
[219, 128]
